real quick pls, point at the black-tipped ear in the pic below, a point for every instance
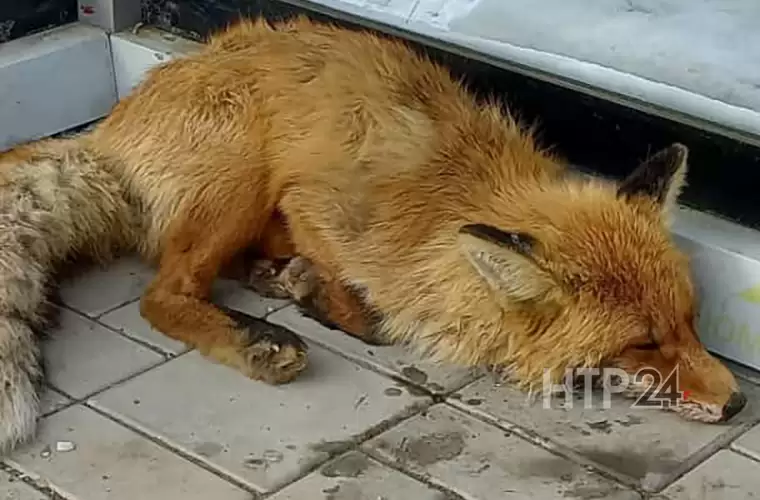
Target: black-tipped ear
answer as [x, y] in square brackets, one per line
[660, 178]
[505, 260]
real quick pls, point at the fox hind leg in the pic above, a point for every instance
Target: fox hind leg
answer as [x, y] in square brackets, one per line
[176, 302]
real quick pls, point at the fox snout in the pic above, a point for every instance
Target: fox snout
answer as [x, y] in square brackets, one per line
[705, 389]
[736, 403]
[710, 391]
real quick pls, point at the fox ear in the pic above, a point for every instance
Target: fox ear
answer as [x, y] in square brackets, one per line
[660, 178]
[505, 260]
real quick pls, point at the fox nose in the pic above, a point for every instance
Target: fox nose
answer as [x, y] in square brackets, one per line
[734, 405]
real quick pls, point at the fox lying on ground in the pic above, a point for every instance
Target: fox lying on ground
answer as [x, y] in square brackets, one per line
[423, 215]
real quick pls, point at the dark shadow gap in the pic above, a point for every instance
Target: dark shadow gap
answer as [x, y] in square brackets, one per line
[20, 18]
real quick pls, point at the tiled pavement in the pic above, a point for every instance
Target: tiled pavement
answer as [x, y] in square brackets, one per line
[133, 415]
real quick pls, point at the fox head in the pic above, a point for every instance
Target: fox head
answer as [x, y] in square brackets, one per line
[596, 282]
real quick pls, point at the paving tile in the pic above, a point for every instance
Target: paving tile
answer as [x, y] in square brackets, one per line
[263, 435]
[100, 289]
[114, 463]
[355, 476]
[749, 443]
[15, 489]
[231, 294]
[647, 445]
[83, 357]
[480, 461]
[128, 321]
[725, 475]
[393, 360]
[52, 400]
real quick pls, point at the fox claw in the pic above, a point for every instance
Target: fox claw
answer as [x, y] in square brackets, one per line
[269, 353]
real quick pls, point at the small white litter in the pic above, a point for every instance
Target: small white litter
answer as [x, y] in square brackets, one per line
[273, 456]
[64, 446]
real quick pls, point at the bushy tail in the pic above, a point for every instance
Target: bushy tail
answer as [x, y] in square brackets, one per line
[57, 198]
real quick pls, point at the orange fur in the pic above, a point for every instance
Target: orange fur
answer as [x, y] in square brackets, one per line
[378, 161]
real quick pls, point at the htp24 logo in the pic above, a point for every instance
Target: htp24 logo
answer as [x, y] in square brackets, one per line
[651, 388]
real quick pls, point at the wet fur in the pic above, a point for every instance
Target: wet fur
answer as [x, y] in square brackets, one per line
[365, 158]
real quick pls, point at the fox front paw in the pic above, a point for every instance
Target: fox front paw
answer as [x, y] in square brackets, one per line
[262, 278]
[299, 279]
[306, 288]
[265, 352]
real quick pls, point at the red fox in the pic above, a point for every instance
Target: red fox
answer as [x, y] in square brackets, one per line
[425, 217]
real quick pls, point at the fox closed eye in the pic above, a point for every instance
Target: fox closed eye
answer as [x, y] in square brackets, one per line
[648, 343]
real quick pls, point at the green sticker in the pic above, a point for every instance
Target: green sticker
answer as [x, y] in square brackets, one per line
[751, 295]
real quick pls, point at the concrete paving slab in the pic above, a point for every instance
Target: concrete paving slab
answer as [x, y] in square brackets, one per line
[726, 475]
[395, 361]
[83, 357]
[90, 457]
[355, 476]
[128, 321]
[99, 289]
[12, 488]
[51, 401]
[647, 445]
[264, 436]
[479, 461]
[749, 443]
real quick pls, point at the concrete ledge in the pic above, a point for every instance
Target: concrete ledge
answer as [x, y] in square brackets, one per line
[423, 20]
[134, 52]
[725, 261]
[54, 81]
